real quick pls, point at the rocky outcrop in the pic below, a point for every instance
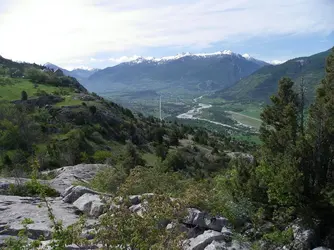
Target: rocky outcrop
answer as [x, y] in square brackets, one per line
[73, 193]
[233, 245]
[204, 220]
[41, 101]
[66, 176]
[203, 240]
[304, 238]
[14, 209]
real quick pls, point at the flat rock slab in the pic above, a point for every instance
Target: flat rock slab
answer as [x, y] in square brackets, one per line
[14, 209]
[66, 176]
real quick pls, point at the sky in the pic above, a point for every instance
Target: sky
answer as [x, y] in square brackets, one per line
[102, 33]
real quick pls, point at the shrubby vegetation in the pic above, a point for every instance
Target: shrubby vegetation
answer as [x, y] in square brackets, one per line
[288, 176]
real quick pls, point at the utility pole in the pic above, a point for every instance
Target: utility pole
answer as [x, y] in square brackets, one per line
[160, 109]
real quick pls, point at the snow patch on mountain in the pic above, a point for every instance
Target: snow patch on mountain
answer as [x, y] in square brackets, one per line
[85, 68]
[138, 60]
[276, 62]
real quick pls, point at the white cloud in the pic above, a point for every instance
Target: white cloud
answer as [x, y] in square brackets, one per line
[63, 31]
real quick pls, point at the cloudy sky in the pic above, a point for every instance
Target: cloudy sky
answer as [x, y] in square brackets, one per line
[101, 33]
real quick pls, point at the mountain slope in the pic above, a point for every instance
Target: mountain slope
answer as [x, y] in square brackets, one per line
[264, 82]
[80, 74]
[187, 72]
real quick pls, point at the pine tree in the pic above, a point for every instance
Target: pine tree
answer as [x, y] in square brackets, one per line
[279, 170]
[321, 132]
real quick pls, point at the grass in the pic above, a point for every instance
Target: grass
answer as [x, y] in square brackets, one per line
[151, 159]
[247, 120]
[13, 91]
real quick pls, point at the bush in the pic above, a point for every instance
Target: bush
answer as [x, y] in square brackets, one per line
[102, 156]
[279, 238]
[109, 179]
[33, 187]
[24, 96]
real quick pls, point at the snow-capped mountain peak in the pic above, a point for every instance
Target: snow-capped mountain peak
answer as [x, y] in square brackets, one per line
[182, 55]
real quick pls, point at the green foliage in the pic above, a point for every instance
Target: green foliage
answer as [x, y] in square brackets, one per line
[109, 179]
[24, 96]
[279, 170]
[154, 179]
[122, 228]
[131, 157]
[161, 151]
[33, 187]
[175, 161]
[102, 156]
[279, 238]
[92, 109]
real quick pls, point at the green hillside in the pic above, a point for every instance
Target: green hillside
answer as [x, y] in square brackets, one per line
[52, 117]
[262, 84]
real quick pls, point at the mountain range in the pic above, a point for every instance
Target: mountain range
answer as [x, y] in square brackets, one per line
[230, 75]
[260, 85]
[182, 73]
[81, 74]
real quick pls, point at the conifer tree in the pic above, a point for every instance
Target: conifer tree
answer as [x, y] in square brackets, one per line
[279, 168]
[321, 132]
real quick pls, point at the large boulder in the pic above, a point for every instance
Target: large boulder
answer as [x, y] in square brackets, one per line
[203, 220]
[90, 204]
[304, 238]
[203, 240]
[74, 193]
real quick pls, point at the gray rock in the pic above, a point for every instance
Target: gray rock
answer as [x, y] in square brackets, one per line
[90, 204]
[267, 227]
[97, 208]
[321, 248]
[202, 241]
[67, 191]
[138, 209]
[201, 219]
[215, 245]
[76, 192]
[233, 245]
[135, 199]
[13, 210]
[66, 176]
[303, 238]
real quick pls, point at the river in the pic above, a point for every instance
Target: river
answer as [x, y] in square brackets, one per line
[197, 110]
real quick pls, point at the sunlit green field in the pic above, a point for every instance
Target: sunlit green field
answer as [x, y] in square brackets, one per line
[13, 91]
